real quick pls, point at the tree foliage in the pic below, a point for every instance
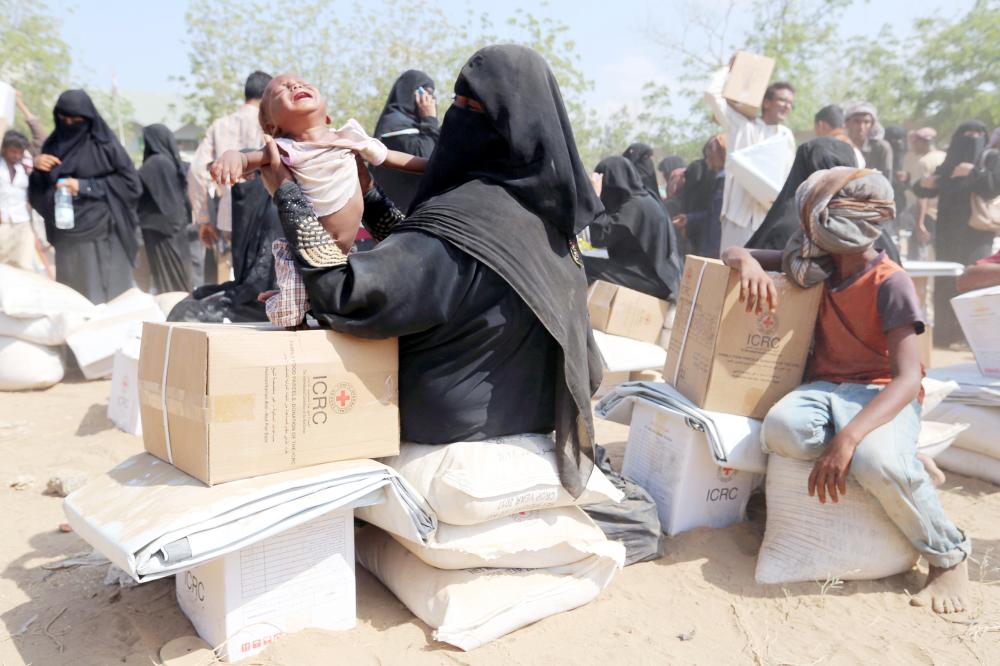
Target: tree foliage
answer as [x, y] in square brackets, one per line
[34, 58]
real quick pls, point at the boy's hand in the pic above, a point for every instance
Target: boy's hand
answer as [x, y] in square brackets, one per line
[229, 168]
[756, 287]
[829, 474]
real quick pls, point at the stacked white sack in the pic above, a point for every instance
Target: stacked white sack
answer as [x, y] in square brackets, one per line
[36, 316]
[511, 546]
[976, 405]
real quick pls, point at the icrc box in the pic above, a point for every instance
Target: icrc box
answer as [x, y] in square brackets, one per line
[299, 579]
[727, 360]
[979, 314]
[225, 402]
[671, 459]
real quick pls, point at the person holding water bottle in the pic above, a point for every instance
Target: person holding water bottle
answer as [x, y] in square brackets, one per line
[86, 188]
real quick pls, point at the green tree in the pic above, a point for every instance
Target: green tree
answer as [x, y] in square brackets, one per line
[34, 58]
[958, 60]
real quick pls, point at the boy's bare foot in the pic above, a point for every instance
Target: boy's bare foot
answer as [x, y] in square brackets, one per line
[945, 590]
[933, 471]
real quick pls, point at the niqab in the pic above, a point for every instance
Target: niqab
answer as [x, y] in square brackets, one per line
[400, 110]
[640, 239]
[88, 149]
[641, 156]
[164, 178]
[963, 148]
[507, 187]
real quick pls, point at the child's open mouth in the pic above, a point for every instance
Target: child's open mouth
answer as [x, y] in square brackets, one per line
[302, 94]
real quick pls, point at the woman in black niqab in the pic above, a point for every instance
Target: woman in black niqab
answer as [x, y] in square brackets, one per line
[954, 239]
[641, 156]
[401, 126]
[641, 241]
[782, 221]
[97, 255]
[164, 211]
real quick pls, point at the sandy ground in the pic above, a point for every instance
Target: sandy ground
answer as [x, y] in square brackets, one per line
[702, 590]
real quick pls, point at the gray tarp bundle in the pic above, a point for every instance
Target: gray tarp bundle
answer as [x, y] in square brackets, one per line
[153, 520]
[733, 440]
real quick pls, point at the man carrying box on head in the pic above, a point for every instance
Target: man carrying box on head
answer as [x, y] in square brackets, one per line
[741, 212]
[860, 411]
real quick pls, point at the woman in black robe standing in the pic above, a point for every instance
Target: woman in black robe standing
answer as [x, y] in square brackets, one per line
[409, 124]
[97, 255]
[641, 156]
[966, 170]
[164, 211]
[641, 241]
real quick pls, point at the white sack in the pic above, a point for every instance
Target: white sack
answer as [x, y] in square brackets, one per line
[936, 391]
[51, 330]
[625, 354]
[935, 437]
[530, 540]
[467, 483]
[167, 301]
[761, 168]
[808, 541]
[983, 434]
[471, 607]
[25, 365]
[969, 463]
[27, 295]
[112, 326]
[153, 520]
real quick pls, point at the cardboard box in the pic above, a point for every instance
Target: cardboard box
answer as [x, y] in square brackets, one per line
[246, 400]
[301, 578]
[748, 79]
[672, 460]
[762, 168]
[979, 314]
[123, 403]
[621, 311]
[726, 360]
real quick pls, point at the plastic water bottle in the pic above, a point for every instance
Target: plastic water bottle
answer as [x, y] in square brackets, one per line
[64, 207]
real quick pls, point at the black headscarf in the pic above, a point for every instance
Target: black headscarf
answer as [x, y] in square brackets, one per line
[639, 236]
[963, 148]
[668, 164]
[400, 110]
[88, 150]
[164, 179]
[641, 156]
[782, 221]
[895, 135]
[507, 187]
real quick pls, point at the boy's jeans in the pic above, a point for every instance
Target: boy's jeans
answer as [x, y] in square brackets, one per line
[885, 463]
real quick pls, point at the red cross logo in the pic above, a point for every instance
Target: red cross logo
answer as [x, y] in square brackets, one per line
[343, 398]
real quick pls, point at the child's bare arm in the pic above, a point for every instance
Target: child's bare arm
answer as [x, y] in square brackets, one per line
[405, 162]
[830, 472]
[235, 164]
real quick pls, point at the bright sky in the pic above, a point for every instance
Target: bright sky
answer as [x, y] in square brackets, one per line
[144, 42]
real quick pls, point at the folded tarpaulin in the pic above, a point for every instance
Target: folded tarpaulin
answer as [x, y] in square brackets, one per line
[974, 388]
[622, 354]
[153, 520]
[733, 440]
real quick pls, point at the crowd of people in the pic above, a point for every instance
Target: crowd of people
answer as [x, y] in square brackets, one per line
[475, 264]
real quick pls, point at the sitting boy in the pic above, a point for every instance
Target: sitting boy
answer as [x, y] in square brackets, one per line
[860, 410]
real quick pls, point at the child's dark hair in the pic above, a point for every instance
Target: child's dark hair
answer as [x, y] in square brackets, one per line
[14, 139]
[254, 87]
[832, 115]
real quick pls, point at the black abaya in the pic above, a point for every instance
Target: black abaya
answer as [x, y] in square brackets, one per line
[164, 211]
[641, 242]
[98, 253]
[504, 317]
[401, 127]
